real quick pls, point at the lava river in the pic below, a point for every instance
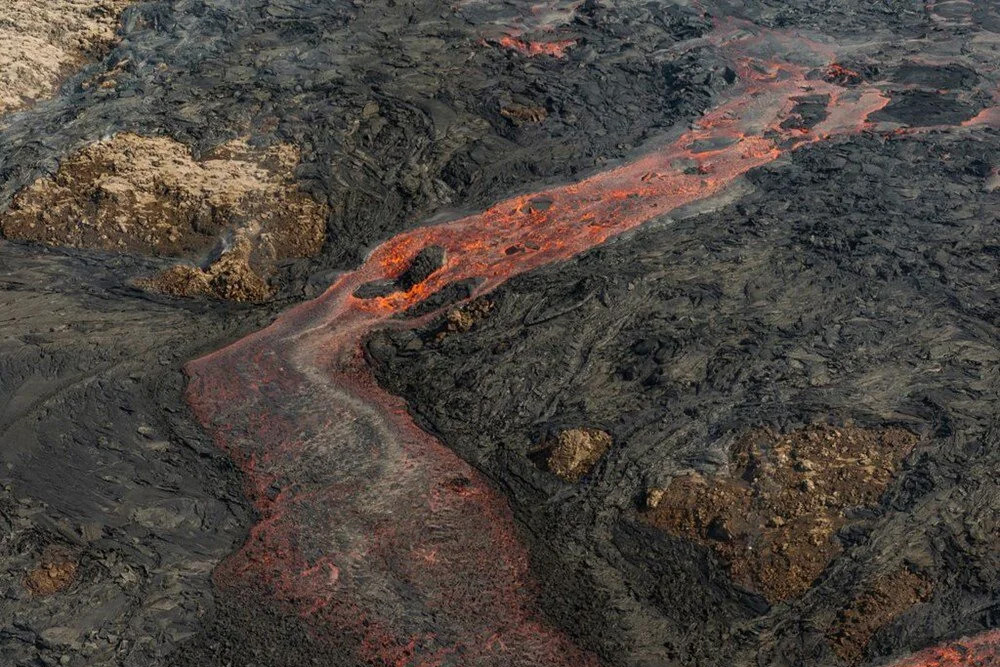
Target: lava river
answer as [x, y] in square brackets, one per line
[373, 532]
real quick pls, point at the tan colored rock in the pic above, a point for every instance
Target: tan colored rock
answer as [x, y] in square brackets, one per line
[231, 278]
[653, 498]
[575, 451]
[521, 114]
[773, 518]
[463, 318]
[149, 195]
[42, 41]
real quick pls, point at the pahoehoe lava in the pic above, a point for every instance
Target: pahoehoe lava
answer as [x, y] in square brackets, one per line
[718, 387]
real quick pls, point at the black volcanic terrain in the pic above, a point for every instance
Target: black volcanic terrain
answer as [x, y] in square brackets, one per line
[400, 333]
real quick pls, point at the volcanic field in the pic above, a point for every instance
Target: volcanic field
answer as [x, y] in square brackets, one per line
[554, 333]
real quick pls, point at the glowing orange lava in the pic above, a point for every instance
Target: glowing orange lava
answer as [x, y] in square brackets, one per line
[556, 49]
[371, 530]
[980, 651]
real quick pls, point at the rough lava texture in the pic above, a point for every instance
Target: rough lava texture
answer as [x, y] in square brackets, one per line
[55, 572]
[700, 222]
[887, 597]
[396, 113]
[148, 195]
[231, 276]
[114, 503]
[41, 41]
[573, 452]
[773, 515]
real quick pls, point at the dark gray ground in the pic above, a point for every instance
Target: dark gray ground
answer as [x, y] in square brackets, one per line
[101, 457]
[856, 280]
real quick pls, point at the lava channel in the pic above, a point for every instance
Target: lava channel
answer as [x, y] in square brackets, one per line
[372, 531]
[980, 651]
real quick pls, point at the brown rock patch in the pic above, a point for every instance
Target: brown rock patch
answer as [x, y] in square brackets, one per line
[772, 519]
[574, 452]
[42, 40]
[231, 277]
[464, 317]
[521, 114]
[884, 600]
[55, 572]
[148, 195]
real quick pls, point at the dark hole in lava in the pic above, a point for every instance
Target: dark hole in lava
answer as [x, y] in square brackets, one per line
[424, 263]
[448, 295]
[922, 108]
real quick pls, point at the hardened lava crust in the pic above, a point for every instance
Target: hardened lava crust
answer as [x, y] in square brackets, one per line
[384, 333]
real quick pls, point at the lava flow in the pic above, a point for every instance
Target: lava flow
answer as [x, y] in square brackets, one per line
[371, 530]
[981, 651]
[556, 49]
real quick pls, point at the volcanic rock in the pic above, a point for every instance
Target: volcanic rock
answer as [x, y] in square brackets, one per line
[41, 40]
[426, 262]
[774, 516]
[463, 318]
[520, 114]
[298, 515]
[791, 305]
[149, 195]
[574, 452]
[55, 572]
[231, 277]
[884, 600]
[423, 264]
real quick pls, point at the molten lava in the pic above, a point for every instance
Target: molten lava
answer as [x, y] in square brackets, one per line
[980, 651]
[371, 530]
[556, 49]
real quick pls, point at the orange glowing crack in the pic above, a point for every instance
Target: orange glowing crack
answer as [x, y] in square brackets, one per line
[556, 49]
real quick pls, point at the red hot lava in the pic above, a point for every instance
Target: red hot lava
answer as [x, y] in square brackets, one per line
[981, 651]
[556, 49]
[371, 530]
